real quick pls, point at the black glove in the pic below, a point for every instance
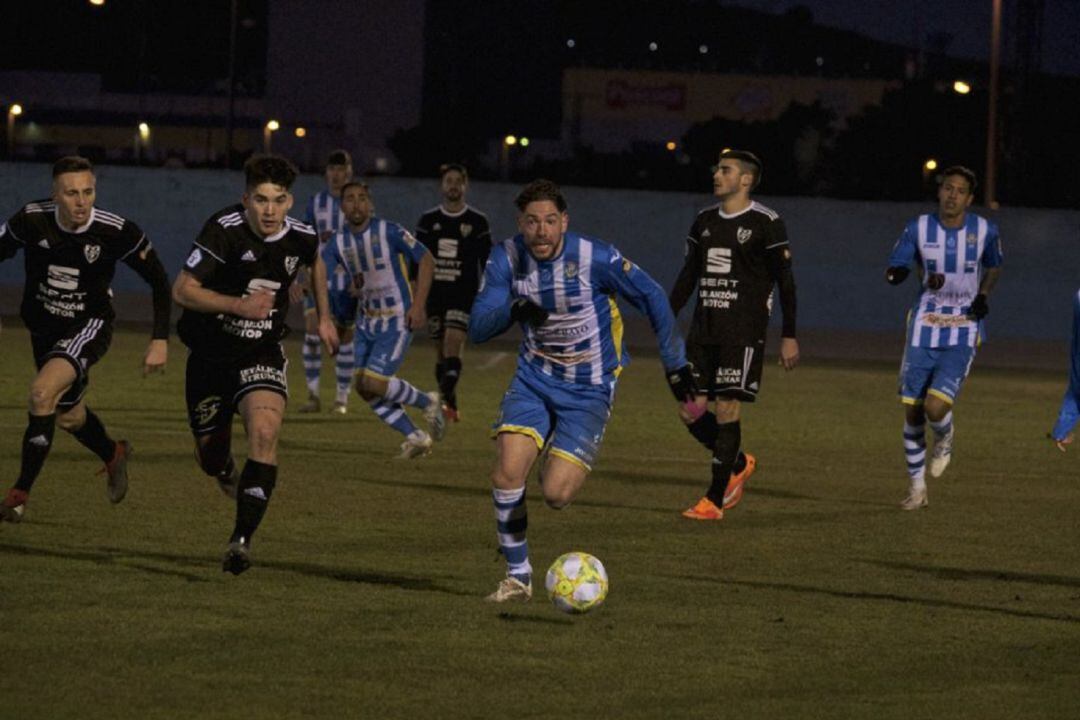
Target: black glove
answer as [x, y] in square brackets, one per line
[979, 309]
[682, 383]
[523, 310]
[897, 274]
[935, 281]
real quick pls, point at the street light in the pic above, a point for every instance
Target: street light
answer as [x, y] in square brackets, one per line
[14, 111]
[961, 88]
[930, 165]
[300, 132]
[268, 130]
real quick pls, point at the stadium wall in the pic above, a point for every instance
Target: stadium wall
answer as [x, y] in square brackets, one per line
[839, 247]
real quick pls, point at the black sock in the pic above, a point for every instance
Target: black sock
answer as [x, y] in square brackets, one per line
[37, 441]
[227, 471]
[740, 463]
[728, 438]
[256, 486]
[440, 371]
[214, 454]
[92, 434]
[451, 375]
[704, 430]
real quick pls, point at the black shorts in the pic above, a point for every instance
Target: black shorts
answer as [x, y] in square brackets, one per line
[82, 345]
[728, 371]
[214, 388]
[449, 310]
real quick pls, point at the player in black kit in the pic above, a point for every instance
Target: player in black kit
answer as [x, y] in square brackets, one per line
[459, 239]
[736, 253]
[235, 292]
[71, 249]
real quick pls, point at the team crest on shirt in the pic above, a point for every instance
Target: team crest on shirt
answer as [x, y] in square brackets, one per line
[290, 263]
[743, 234]
[627, 266]
[92, 252]
[570, 269]
[466, 230]
[972, 239]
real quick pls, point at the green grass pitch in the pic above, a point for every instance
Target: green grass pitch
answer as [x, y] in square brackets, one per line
[816, 597]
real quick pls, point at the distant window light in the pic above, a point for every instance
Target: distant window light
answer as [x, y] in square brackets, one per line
[381, 164]
[571, 43]
[300, 132]
[820, 61]
[703, 49]
[653, 47]
[524, 142]
[670, 145]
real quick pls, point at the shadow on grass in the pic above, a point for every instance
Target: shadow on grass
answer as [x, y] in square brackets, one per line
[950, 573]
[880, 597]
[510, 617]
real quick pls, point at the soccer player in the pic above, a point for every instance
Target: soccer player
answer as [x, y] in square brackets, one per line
[459, 239]
[234, 289]
[560, 288]
[737, 252]
[958, 255]
[71, 249]
[375, 255]
[1062, 434]
[324, 214]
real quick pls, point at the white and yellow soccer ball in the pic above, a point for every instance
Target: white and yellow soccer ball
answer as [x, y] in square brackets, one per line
[576, 582]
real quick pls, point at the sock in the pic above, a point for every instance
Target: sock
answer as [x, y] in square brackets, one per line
[256, 486]
[345, 362]
[92, 434]
[214, 455]
[393, 415]
[704, 429]
[943, 426]
[448, 384]
[915, 450]
[511, 521]
[440, 369]
[312, 352]
[401, 392]
[37, 440]
[728, 439]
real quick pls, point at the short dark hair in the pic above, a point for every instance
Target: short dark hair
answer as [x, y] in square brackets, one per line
[540, 190]
[355, 183]
[70, 164]
[339, 157]
[750, 163]
[274, 169]
[964, 172]
[453, 167]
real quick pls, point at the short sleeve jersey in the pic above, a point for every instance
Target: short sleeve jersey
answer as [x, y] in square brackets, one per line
[228, 257]
[68, 273]
[460, 244]
[735, 284]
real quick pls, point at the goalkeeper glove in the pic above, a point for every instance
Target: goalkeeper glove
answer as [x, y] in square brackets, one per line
[935, 281]
[683, 385]
[979, 309]
[897, 274]
[523, 310]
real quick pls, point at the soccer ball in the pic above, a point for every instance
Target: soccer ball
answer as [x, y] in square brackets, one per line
[576, 582]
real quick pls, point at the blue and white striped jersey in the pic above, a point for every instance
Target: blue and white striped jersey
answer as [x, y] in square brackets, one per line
[377, 262]
[582, 340]
[940, 317]
[324, 214]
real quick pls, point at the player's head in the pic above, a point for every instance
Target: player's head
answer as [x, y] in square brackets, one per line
[542, 218]
[356, 204]
[74, 189]
[738, 172]
[454, 182]
[267, 198]
[956, 190]
[339, 170]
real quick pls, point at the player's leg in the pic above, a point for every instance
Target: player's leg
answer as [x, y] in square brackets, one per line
[208, 392]
[381, 380]
[915, 372]
[456, 325]
[312, 355]
[952, 369]
[343, 308]
[86, 427]
[435, 332]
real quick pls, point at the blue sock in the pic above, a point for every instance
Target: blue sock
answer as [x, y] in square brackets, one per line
[942, 427]
[915, 451]
[312, 353]
[345, 363]
[511, 521]
[393, 415]
[400, 391]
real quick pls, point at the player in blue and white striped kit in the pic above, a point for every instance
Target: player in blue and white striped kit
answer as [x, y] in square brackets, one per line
[958, 255]
[560, 287]
[1062, 434]
[374, 255]
[324, 214]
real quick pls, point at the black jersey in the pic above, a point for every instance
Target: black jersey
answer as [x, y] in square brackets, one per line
[228, 257]
[68, 273]
[460, 244]
[735, 260]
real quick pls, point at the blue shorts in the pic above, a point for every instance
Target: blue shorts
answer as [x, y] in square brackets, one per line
[570, 418]
[342, 306]
[380, 354]
[934, 371]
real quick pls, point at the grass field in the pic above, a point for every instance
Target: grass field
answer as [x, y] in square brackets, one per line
[816, 597]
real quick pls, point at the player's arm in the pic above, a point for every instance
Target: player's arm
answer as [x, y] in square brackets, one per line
[688, 275]
[778, 262]
[491, 310]
[903, 253]
[425, 272]
[992, 259]
[204, 261]
[327, 330]
[147, 265]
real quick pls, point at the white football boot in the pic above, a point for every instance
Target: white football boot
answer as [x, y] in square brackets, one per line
[511, 589]
[434, 415]
[417, 444]
[942, 454]
[915, 500]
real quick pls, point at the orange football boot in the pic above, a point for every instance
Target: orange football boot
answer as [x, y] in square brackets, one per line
[734, 491]
[705, 509]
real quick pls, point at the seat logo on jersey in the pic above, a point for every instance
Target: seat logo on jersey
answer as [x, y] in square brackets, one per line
[743, 234]
[448, 247]
[92, 252]
[63, 278]
[291, 262]
[718, 260]
[466, 230]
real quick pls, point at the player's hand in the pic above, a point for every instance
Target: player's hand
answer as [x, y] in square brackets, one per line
[156, 356]
[328, 335]
[789, 353]
[682, 383]
[979, 307]
[416, 317]
[523, 310]
[897, 274]
[1064, 443]
[256, 306]
[296, 291]
[935, 281]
